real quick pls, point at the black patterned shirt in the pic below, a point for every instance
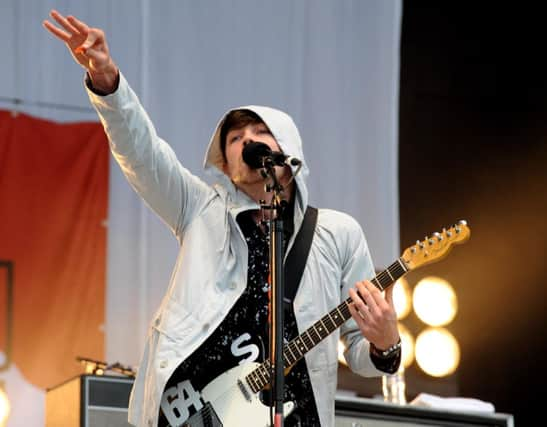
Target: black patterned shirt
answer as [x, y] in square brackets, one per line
[242, 336]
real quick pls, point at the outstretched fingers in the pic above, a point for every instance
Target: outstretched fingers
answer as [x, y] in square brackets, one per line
[88, 48]
[79, 25]
[57, 32]
[63, 22]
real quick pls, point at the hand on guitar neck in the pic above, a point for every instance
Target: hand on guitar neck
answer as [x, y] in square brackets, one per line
[374, 314]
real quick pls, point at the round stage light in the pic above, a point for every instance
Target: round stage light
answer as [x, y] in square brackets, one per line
[435, 302]
[437, 352]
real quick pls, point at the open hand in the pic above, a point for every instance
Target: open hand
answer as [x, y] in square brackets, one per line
[88, 47]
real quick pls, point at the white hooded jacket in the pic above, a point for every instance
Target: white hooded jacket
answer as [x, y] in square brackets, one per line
[211, 269]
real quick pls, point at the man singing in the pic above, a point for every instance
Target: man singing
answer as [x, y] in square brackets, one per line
[214, 315]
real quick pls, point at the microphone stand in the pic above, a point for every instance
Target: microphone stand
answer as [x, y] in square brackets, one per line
[277, 253]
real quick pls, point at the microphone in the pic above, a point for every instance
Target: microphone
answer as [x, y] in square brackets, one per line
[256, 154]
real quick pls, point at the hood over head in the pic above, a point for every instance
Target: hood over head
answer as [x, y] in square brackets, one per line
[285, 133]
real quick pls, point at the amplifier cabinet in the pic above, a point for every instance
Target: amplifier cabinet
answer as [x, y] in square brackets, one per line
[361, 412]
[89, 401]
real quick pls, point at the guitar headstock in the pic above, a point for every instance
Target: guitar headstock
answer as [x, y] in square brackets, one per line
[436, 247]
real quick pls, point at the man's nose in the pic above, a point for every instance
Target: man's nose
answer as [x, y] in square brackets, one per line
[248, 138]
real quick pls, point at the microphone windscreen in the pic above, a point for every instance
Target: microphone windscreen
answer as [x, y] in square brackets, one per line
[254, 152]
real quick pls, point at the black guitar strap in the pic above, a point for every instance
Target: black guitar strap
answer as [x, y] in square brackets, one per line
[296, 259]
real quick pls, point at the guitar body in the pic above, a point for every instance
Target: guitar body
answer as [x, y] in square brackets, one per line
[231, 402]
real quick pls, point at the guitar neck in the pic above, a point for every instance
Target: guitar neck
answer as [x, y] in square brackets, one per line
[299, 346]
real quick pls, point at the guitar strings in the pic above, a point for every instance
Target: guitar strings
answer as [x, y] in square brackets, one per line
[228, 396]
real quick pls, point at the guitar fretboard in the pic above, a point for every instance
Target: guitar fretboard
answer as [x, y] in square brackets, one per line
[299, 346]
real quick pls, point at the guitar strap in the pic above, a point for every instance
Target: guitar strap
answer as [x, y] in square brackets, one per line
[296, 259]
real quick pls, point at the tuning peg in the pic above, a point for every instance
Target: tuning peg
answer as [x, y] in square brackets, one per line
[438, 236]
[448, 233]
[462, 222]
[413, 249]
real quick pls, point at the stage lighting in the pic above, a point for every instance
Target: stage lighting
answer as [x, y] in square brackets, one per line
[434, 301]
[402, 298]
[341, 349]
[407, 346]
[437, 352]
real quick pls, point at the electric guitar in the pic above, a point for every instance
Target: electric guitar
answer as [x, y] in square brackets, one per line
[235, 394]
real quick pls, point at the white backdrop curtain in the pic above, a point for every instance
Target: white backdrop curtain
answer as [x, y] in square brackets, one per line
[333, 65]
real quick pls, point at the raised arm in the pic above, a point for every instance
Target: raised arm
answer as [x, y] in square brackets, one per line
[149, 163]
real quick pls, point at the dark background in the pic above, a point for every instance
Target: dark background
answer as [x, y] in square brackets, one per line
[473, 146]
